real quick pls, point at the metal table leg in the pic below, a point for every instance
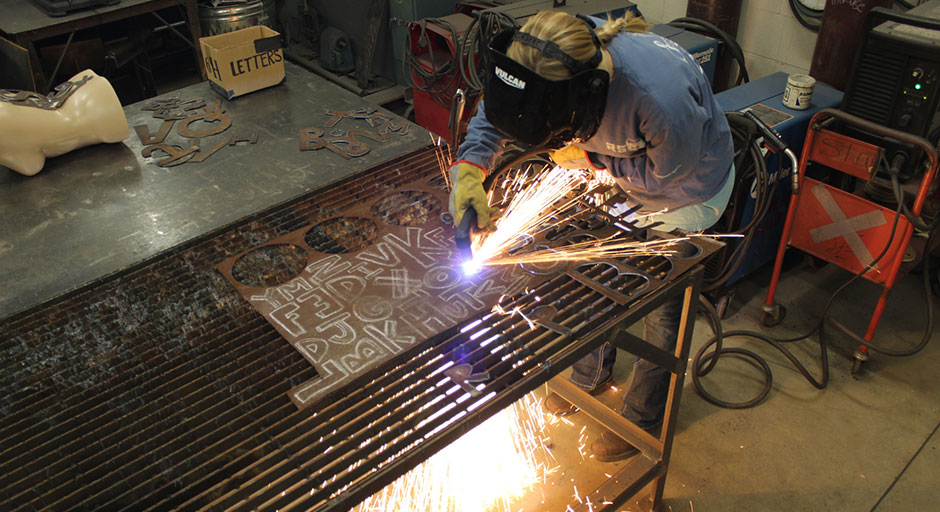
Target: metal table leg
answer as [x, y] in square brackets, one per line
[652, 463]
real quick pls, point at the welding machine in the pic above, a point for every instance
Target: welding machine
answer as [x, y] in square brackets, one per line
[764, 98]
[702, 48]
[895, 79]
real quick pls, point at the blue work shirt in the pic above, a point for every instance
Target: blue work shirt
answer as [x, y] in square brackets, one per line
[663, 135]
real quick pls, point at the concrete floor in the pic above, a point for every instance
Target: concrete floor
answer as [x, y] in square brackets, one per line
[865, 442]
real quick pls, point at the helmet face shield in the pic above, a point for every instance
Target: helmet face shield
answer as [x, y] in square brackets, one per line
[538, 111]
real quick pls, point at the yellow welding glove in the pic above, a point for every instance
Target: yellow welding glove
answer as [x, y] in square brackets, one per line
[467, 192]
[573, 157]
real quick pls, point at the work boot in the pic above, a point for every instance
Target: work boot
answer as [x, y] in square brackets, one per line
[610, 447]
[558, 406]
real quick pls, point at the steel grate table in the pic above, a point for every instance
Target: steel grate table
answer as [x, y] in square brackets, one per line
[159, 387]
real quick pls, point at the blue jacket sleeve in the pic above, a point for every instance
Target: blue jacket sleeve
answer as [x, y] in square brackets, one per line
[483, 143]
[673, 148]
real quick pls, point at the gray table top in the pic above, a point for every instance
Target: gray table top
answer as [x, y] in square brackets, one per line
[102, 208]
[19, 16]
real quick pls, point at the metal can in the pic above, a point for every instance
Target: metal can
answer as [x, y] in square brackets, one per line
[231, 15]
[799, 92]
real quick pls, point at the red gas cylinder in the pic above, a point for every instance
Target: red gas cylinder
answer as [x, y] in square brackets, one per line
[839, 35]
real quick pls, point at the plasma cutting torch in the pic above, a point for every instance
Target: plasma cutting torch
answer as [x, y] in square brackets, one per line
[462, 234]
[461, 231]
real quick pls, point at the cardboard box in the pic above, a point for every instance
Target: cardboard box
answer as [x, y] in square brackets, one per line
[243, 61]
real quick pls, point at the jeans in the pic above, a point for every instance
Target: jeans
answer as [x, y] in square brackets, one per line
[644, 402]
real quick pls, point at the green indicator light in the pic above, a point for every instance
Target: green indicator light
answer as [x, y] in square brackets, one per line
[917, 86]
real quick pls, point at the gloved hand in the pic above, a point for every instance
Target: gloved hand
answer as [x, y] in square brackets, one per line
[467, 192]
[573, 157]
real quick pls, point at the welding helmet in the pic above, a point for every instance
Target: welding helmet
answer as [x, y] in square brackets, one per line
[535, 110]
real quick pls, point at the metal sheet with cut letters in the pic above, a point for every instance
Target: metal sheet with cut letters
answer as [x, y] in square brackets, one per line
[373, 281]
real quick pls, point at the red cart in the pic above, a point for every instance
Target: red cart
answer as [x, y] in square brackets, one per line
[844, 228]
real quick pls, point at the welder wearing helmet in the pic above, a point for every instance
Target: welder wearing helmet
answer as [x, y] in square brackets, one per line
[614, 98]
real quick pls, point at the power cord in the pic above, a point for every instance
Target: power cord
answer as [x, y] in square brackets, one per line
[703, 362]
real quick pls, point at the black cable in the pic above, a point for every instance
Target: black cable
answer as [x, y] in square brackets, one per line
[805, 15]
[473, 51]
[698, 25]
[509, 164]
[915, 220]
[704, 362]
[904, 4]
[806, 11]
[749, 166]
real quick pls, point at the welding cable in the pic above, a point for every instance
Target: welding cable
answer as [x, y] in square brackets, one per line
[473, 52]
[761, 206]
[899, 196]
[698, 25]
[806, 16]
[750, 166]
[468, 57]
[528, 154]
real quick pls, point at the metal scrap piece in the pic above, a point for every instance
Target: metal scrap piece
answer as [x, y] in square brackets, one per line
[201, 156]
[345, 144]
[177, 155]
[52, 101]
[543, 316]
[146, 138]
[235, 140]
[211, 116]
[463, 376]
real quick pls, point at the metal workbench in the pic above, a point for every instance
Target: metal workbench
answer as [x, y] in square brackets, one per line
[102, 208]
[25, 24]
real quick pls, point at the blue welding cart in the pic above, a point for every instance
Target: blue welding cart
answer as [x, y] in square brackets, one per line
[764, 97]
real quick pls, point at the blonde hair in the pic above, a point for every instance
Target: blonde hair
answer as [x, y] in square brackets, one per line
[572, 37]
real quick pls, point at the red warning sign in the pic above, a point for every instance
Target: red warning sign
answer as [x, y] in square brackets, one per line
[846, 229]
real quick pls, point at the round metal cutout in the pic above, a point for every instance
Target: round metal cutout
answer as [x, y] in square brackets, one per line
[269, 265]
[341, 235]
[407, 208]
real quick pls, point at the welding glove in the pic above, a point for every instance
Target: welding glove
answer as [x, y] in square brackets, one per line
[573, 157]
[467, 192]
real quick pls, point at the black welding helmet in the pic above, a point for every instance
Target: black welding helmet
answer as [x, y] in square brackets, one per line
[535, 110]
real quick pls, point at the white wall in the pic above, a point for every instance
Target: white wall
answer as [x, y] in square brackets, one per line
[771, 38]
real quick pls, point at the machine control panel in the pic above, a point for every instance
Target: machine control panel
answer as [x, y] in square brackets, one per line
[919, 86]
